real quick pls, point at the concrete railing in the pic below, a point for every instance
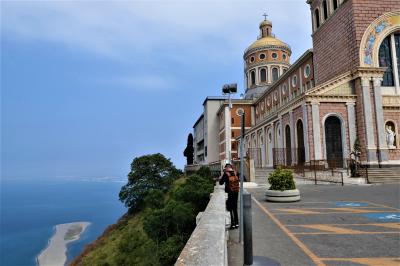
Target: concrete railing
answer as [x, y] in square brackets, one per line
[208, 243]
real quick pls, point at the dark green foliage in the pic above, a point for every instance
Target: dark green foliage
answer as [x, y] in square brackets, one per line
[170, 250]
[281, 179]
[205, 172]
[196, 190]
[147, 172]
[177, 218]
[154, 199]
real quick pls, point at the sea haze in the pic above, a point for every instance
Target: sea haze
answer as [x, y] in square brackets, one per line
[30, 208]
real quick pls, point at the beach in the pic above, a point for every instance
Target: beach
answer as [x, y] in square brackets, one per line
[55, 253]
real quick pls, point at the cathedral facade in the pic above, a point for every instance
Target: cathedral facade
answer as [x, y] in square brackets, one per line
[345, 90]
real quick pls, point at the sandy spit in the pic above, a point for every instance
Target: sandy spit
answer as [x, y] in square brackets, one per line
[55, 253]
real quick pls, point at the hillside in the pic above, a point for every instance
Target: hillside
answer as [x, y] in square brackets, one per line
[155, 233]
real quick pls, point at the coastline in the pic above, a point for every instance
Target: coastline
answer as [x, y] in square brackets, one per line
[56, 251]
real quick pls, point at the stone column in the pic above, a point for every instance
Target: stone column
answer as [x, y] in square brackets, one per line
[305, 133]
[292, 140]
[271, 162]
[351, 117]
[380, 122]
[316, 130]
[368, 121]
[280, 128]
[253, 116]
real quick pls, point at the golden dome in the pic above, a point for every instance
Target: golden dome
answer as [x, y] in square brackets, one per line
[267, 41]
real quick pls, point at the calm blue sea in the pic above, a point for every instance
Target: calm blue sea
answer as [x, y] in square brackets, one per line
[31, 208]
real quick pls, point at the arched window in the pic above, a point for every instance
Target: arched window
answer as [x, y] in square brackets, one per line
[388, 58]
[253, 77]
[316, 18]
[335, 4]
[275, 74]
[325, 7]
[263, 75]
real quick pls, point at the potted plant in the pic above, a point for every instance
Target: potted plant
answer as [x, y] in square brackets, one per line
[283, 188]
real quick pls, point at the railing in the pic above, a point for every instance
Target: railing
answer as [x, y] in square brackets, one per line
[321, 171]
[288, 157]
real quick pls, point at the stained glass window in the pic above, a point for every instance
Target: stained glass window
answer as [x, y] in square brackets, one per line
[385, 60]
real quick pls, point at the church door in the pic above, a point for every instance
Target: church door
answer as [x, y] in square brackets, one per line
[333, 141]
[300, 143]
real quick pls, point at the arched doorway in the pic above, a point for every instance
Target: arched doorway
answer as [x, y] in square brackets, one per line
[300, 143]
[333, 141]
[270, 146]
[288, 146]
[262, 149]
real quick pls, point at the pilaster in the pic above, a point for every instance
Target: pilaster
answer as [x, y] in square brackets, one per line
[305, 133]
[368, 121]
[382, 145]
[351, 117]
[316, 130]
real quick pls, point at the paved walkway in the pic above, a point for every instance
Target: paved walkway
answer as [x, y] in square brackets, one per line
[331, 225]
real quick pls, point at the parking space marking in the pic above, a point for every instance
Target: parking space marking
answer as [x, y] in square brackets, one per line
[329, 228]
[301, 211]
[381, 205]
[368, 261]
[299, 243]
[392, 227]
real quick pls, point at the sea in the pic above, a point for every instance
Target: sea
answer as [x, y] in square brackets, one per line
[30, 209]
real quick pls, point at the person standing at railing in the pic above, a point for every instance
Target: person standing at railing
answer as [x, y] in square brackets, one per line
[231, 181]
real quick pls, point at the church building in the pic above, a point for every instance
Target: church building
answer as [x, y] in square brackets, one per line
[345, 89]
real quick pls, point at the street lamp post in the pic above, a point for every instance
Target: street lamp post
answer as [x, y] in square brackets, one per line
[228, 89]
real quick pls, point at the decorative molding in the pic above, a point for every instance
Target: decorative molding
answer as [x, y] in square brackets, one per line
[373, 36]
[391, 101]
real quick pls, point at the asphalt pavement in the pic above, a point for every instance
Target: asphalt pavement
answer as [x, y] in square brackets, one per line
[331, 225]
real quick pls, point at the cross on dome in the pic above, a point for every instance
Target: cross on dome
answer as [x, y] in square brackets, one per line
[265, 16]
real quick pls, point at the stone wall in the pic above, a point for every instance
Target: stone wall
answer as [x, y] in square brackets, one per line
[208, 243]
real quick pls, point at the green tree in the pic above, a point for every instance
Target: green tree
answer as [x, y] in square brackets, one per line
[147, 172]
[154, 199]
[196, 191]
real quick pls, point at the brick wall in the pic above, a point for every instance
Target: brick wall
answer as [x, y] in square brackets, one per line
[337, 41]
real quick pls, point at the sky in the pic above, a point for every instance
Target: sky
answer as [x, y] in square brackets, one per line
[87, 86]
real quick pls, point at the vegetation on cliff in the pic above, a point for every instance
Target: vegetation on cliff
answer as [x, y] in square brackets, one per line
[163, 205]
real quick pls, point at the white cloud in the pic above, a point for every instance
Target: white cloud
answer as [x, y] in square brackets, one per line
[126, 30]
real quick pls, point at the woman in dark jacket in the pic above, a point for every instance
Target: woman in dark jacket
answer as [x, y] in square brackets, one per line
[231, 203]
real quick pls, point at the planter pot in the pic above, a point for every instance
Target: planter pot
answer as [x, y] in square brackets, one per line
[283, 196]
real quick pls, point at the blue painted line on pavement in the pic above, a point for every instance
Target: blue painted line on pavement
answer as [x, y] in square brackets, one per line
[350, 204]
[383, 217]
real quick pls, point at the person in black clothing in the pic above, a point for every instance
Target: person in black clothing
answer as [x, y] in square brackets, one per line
[231, 203]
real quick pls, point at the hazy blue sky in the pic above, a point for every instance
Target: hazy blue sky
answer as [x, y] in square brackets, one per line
[86, 85]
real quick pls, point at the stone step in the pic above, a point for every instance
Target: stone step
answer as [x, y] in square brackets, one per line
[384, 180]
